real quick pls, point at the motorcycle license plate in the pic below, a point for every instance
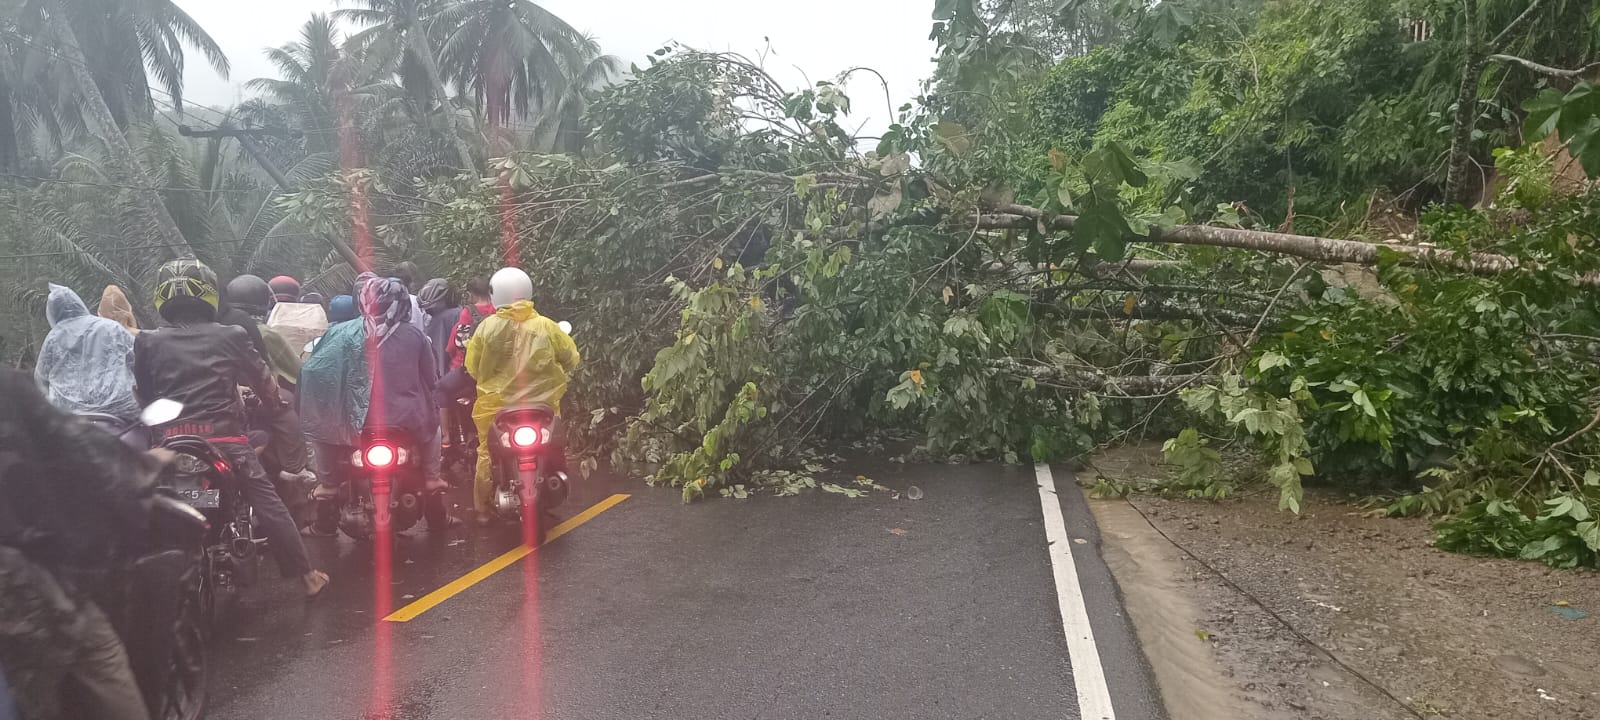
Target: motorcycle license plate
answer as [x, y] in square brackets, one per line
[203, 499]
[527, 463]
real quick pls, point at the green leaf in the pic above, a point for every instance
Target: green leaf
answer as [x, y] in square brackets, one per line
[1360, 398]
[1168, 20]
[1580, 104]
[1542, 547]
[841, 490]
[1584, 144]
[1543, 111]
[1565, 506]
[1064, 193]
[1270, 360]
[803, 184]
[1559, 507]
[1106, 230]
[1113, 161]
[953, 137]
[1589, 531]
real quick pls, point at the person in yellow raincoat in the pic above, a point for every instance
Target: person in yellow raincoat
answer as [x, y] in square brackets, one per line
[517, 357]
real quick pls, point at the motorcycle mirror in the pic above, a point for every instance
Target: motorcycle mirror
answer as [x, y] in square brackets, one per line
[160, 412]
[565, 326]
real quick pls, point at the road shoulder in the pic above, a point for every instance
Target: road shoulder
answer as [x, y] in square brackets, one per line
[1128, 675]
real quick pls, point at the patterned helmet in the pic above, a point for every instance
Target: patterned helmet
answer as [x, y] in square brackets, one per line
[182, 283]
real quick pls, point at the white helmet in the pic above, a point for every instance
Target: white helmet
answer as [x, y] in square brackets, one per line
[508, 286]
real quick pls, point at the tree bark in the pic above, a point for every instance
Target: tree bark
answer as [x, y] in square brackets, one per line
[1546, 70]
[1465, 121]
[118, 151]
[1104, 385]
[1302, 246]
[430, 65]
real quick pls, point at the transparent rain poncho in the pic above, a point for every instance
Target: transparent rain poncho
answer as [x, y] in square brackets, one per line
[86, 362]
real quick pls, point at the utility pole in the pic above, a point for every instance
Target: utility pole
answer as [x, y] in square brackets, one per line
[246, 138]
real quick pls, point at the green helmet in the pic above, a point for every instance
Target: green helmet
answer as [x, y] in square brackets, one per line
[185, 283]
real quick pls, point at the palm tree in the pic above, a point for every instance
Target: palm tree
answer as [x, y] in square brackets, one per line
[396, 39]
[511, 55]
[132, 40]
[135, 48]
[560, 126]
[314, 70]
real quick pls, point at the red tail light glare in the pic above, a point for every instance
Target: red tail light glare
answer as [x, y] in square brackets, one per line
[222, 467]
[525, 436]
[380, 456]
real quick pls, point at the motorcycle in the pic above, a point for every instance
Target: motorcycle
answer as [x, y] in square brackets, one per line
[460, 459]
[527, 485]
[201, 477]
[525, 464]
[381, 486]
[162, 617]
[156, 597]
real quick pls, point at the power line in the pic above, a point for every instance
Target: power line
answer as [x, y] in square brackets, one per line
[100, 251]
[85, 183]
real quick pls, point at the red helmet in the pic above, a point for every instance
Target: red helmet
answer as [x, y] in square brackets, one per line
[285, 288]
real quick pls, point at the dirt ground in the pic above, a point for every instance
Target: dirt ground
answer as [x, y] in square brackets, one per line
[1446, 635]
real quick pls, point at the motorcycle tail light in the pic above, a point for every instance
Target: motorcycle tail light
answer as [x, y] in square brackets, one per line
[528, 436]
[380, 456]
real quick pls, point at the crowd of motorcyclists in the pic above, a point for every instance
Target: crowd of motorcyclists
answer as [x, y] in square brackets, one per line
[282, 382]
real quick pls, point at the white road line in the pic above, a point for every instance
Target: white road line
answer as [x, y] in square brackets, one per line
[1094, 699]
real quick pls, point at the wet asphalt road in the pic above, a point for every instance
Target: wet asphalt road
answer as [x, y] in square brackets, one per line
[819, 606]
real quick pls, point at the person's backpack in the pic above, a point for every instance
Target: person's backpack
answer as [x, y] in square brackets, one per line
[464, 332]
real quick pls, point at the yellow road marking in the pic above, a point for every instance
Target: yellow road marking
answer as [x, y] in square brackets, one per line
[427, 602]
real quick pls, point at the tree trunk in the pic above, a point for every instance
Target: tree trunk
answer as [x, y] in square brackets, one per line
[430, 66]
[1457, 190]
[1087, 381]
[118, 151]
[1302, 246]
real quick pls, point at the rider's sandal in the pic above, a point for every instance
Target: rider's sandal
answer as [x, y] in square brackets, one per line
[313, 594]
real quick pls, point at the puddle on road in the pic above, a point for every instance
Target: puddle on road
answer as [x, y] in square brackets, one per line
[1148, 571]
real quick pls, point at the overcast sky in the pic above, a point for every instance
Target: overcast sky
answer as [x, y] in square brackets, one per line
[819, 37]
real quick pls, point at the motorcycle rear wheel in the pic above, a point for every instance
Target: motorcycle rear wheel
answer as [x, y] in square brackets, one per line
[184, 693]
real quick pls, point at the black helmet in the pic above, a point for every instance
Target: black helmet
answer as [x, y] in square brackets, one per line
[435, 295]
[250, 294]
[184, 285]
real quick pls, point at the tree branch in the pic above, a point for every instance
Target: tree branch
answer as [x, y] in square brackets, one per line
[1546, 70]
[1105, 385]
[1501, 39]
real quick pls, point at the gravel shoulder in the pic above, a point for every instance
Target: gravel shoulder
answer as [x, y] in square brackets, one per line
[1333, 614]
